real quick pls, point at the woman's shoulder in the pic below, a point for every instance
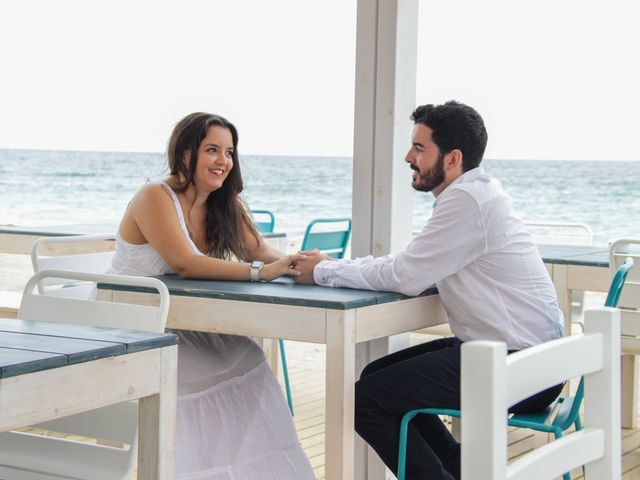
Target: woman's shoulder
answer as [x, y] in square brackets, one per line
[152, 192]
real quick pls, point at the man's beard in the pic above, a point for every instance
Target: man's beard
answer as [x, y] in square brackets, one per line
[432, 178]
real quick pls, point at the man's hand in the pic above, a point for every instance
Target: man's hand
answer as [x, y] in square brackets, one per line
[307, 263]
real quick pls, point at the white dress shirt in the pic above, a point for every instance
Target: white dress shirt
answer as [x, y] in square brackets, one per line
[475, 249]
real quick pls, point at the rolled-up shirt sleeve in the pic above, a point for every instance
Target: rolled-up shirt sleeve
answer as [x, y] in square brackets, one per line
[453, 238]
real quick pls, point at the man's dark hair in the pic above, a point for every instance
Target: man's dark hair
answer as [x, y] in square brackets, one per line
[455, 126]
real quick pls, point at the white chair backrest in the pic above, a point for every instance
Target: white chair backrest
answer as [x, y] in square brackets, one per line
[564, 233]
[89, 253]
[84, 311]
[26, 455]
[629, 303]
[492, 381]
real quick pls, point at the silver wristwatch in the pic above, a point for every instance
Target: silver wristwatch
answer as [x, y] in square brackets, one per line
[256, 266]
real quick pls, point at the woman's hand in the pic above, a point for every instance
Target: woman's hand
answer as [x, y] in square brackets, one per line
[284, 266]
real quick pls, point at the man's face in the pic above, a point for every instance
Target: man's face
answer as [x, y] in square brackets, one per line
[426, 161]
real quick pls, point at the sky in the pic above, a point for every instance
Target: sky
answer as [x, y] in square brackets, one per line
[553, 79]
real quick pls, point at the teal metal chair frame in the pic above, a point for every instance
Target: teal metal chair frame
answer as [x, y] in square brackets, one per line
[333, 243]
[265, 226]
[569, 407]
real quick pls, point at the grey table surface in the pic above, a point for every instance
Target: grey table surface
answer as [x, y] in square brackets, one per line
[282, 292]
[30, 346]
[585, 255]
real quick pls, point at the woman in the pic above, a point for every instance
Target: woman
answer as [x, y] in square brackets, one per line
[233, 421]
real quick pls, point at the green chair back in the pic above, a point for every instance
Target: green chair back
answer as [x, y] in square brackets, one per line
[329, 235]
[265, 220]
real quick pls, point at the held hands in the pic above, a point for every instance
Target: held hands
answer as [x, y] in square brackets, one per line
[286, 265]
[307, 263]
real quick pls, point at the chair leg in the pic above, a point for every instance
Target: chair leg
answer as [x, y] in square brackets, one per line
[285, 373]
[402, 449]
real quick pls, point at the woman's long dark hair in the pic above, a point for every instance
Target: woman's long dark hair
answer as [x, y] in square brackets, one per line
[226, 212]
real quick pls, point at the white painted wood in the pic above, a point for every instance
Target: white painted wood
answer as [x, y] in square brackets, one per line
[386, 49]
[484, 413]
[339, 413]
[488, 377]
[235, 317]
[157, 444]
[22, 245]
[558, 457]
[383, 320]
[565, 354]
[629, 306]
[83, 260]
[601, 399]
[560, 233]
[560, 282]
[83, 311]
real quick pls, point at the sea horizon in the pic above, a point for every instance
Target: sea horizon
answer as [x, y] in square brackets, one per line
[49, 187]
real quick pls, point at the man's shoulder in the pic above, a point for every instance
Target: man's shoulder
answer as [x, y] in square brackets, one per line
[482, 189]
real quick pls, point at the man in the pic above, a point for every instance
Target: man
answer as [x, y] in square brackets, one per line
[491, 282]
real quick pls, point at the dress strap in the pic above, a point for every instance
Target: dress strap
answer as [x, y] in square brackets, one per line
[183, 224]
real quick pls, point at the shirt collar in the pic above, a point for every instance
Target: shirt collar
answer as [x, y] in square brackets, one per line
[468, 176]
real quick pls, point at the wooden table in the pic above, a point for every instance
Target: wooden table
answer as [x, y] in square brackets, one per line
[41, 363]
[576, 267]
[339, 318]
[19, 239]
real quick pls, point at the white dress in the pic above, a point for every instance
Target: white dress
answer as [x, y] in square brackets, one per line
[233, 422]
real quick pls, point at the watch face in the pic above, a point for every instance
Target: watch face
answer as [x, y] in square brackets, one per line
[257, 264]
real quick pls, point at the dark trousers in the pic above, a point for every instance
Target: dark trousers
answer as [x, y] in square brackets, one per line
[424, 376]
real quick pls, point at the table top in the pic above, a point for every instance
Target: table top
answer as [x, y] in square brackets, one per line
[79, 229]
[59, 230]
[30, 346]
[281, 292]
[583, 255]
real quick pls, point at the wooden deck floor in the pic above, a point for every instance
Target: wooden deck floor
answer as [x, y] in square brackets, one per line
[306, 367]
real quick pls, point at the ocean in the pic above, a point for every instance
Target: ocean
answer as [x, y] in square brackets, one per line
[39, 187]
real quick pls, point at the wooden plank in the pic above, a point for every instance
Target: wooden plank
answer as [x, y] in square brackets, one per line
[235, 317]
[133, 340]
[42, 396]
[76, 350]
[340, 394]
[18, 362]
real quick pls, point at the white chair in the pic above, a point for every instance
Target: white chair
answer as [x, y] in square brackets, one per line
[629, 305]
[36, 456]
[562, 233]
[491, 381]
[79, 253]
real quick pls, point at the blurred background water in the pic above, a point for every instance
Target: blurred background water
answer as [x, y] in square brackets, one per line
[40, 187]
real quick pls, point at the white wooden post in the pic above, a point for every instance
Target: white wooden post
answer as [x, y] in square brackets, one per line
[386, 49]
[601, 393]
[483, 400]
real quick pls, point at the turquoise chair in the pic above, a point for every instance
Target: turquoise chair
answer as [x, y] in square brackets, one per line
[568, 407]
[265, 220]
[330, 236]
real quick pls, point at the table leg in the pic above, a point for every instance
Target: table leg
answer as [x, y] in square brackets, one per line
[157, 424]
[340, 378]
[629, 393]
[561, 284]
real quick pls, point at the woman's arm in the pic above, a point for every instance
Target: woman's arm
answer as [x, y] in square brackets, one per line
[152, 213]
[258, 249]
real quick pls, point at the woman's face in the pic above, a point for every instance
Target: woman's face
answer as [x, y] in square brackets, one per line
[215, 159]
